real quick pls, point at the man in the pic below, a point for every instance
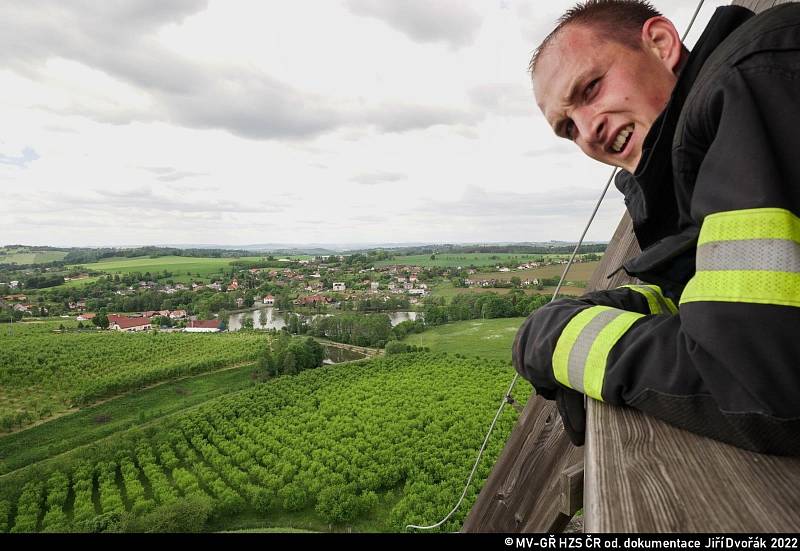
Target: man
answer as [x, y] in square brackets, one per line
[709, 144]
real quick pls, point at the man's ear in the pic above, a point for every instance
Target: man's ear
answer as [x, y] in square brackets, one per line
[661, 37]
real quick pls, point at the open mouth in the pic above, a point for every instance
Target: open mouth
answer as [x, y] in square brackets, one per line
[622, 139]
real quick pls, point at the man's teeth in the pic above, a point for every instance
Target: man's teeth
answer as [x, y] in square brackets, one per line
[622, 137]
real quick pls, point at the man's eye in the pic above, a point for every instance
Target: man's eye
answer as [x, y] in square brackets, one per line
[569, 130]
[590, 88]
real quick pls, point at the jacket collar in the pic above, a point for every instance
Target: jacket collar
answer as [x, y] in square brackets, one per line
[650, 191]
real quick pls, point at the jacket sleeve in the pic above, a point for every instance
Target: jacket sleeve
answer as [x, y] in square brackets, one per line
[727, 365]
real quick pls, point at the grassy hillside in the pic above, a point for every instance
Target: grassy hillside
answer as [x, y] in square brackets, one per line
[29, 256]
[183, 268]
[580, 271]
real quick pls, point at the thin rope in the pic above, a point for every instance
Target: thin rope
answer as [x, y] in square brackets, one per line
[507, 398]
[516, 376]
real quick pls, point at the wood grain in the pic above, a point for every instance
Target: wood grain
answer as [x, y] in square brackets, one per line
[524, 491]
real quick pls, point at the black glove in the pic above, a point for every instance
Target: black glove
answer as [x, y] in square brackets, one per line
[532, 354]
[571, 407]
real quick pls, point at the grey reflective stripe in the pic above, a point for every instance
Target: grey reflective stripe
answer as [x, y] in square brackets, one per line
[771, 255]
[580, 350]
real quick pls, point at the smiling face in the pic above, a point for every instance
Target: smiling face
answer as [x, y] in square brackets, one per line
[604, 95]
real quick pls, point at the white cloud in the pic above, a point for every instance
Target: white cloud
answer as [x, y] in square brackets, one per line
[244, 121]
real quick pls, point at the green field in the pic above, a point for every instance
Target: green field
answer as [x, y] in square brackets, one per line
[44, 373]
[490, 338]
[579, 271]
[185, 269]
[371, 445]
[76, 283]
[26, 256]
[463, 259]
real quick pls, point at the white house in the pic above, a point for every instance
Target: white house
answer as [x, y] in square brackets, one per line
[338, 287]
[269, 300]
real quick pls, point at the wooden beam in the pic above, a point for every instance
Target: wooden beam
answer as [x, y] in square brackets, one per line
[525, 491]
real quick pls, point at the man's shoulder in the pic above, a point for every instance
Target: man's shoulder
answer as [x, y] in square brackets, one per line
[776, 29]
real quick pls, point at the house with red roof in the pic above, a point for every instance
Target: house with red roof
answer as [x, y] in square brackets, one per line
[203, 326]
[128, 325]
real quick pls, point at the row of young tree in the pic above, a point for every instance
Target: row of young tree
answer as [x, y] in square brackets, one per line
[332, 442]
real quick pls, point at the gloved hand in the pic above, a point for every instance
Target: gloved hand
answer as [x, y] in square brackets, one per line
[573, 413]
[532, 358]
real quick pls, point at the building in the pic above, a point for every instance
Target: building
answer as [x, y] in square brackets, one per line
[374, 286]
[128, 325]
[312, 300]
[239, 302]
[234, 285]
[269, 300]
[338, 287]
[177, 314]
[203, 326]
[85, 317]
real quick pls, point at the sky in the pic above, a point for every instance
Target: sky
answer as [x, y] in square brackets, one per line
[234, 122]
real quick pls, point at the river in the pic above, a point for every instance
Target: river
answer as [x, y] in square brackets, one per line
[270, 318]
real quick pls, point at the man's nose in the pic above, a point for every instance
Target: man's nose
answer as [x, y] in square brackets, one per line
[591, 126]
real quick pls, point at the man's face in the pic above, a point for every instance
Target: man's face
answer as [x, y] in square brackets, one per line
[600, 94]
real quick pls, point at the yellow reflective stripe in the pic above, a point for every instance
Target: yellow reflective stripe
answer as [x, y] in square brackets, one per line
[567, 340]
[595, 372]
[748, 255]
[658, 303]
[757, 286]
[767, 223]
[581, 353]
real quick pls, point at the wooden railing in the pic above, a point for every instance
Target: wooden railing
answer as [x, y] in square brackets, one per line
[640, 474]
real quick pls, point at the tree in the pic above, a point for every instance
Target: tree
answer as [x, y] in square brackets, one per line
[101, 320]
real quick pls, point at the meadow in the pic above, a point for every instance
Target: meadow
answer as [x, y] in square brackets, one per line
[578, 272]
[29, 256]
[372, 445]
[185, 269]
[487, 338]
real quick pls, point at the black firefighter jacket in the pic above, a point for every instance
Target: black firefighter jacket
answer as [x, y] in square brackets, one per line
[712, 344]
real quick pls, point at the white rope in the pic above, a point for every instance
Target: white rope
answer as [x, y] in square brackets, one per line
[507, 395]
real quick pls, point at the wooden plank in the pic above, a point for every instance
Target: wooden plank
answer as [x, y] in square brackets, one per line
[643, 475]
[572, 490]
[524, 491]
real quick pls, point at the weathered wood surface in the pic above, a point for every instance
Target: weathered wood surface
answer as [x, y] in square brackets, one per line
[526, 489]
[646, 476]
[643, 475]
